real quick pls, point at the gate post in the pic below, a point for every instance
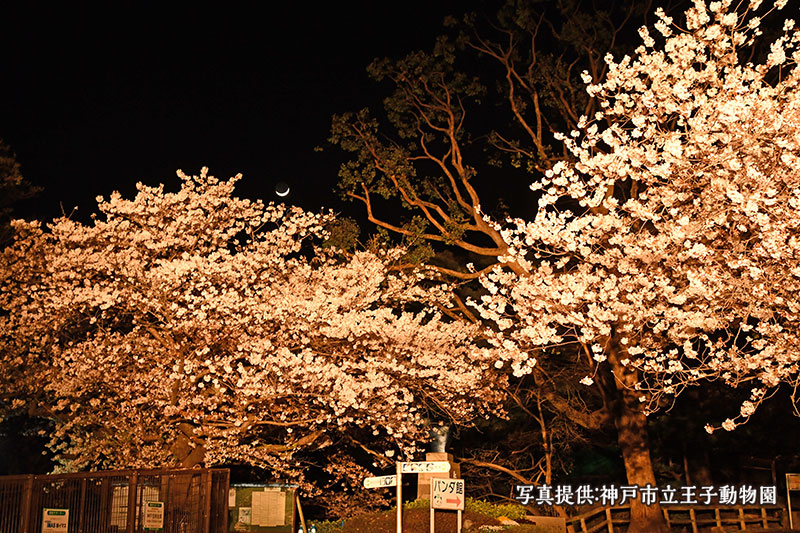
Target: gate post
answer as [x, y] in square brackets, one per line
[206, 484]
[133, 489]
[81, 516]
[27, 497]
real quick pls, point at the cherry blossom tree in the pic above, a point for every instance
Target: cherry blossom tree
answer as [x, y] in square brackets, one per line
[669, 250]
[195, 327]
[451, 137]
[639, 255]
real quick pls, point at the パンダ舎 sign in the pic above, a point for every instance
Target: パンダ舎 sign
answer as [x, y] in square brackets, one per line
[447, 494]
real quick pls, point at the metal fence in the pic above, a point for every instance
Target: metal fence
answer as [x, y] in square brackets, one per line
[193, 501]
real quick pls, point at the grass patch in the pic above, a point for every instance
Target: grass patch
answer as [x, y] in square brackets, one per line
[494, 510]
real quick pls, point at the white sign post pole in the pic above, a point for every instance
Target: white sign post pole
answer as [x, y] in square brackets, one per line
[432, 520]
[399, 497]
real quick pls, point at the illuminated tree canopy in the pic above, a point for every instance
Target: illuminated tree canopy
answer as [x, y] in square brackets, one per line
[195, 327]
[664, 249]
[672, 243]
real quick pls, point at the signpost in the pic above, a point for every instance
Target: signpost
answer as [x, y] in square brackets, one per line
[380, 481]
[414, 467]
[425, 467]
[447, 494]
[411, 467]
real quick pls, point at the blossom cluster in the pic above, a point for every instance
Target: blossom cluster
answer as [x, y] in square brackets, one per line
[195, 327]
[671, 240]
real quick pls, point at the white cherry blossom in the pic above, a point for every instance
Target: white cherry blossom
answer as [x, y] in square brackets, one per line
[194, 327]
[677, 225]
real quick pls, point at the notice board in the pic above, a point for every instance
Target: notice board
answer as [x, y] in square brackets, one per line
[261, 508]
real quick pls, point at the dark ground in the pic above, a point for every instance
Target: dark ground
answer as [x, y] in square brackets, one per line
[416, 521]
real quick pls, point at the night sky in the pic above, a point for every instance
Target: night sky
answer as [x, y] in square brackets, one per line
[93, 101]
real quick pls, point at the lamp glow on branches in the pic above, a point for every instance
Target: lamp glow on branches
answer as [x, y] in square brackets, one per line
[673, 240]
[195, 327]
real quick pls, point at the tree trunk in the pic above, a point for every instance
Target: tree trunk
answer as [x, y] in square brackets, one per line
[633, 441]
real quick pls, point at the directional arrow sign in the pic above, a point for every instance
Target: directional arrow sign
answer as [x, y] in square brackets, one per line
[380, 481]
[447, 494]
[424, 467]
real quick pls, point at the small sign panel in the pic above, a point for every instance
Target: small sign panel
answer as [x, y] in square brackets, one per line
[447, 494]
[153, 515]
[424, 467]
[380, 481]
[793, 481]
[55, 520]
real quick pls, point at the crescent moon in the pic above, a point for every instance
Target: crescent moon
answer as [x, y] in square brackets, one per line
[285, 193]
[282, 189]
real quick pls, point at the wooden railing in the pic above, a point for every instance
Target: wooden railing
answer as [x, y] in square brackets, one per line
[731, 517]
